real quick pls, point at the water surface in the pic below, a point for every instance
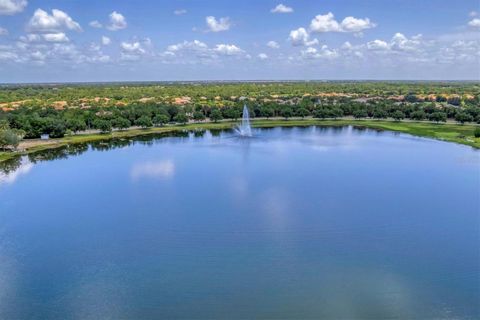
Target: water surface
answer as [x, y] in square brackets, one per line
[310, 223]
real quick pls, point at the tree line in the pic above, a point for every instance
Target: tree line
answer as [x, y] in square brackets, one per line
[31, 121]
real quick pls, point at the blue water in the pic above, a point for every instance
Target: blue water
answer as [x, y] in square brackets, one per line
[294, 223]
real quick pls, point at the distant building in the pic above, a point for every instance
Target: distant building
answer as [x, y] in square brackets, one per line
[45, 136]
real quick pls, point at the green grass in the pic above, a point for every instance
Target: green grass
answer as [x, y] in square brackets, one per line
[462, 134]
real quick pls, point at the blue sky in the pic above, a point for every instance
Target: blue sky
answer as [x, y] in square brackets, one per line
[104, 40]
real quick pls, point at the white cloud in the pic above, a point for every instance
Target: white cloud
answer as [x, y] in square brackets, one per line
[324, 52]
[281, 8]
[132, 51]
[227, 49]
[106, 41]
[95, 24]
[179, 12]
[300, 37]
[55, 37]
[351, 24]
[117, 21]
[473, 14]
[327, 23]
[378, 45]
[10, 7]
[273, 44]
[398, 43]
[475, 23]
[132, 47]
[214, 25]
[263, 56]
[3, 31]
[193, 45]
[41, 21]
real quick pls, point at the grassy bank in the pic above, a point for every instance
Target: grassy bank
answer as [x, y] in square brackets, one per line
[462, 134]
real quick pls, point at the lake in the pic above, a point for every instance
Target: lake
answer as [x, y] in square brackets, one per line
[293, 223]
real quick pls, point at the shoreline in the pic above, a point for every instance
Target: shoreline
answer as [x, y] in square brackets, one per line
[461, 134]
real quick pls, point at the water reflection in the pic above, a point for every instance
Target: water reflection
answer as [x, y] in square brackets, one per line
[13, 169]
[160, 169]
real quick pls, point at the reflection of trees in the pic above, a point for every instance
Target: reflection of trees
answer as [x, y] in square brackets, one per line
[76, 149]
[10, 165]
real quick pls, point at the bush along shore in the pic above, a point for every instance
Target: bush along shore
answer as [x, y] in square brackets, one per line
[466, 134]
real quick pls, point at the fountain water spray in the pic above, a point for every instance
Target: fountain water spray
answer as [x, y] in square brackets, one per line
[244, 129]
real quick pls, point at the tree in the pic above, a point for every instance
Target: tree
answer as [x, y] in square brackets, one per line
[144, 122]
[463, 117]
[160, 119]
[121, 123]
[76, 125]
[266, 112]
[216, 115]
[302, 112]
[398, 115]
[380, 114]
[438, 116]
[418, 115]
[181, 118]
[287, 112]
[104, 126]
[360, 113]
[198, 116]
[476, 132]
[10, 137]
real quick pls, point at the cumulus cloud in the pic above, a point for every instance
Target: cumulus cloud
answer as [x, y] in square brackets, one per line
[327, 23]
[475, 23]
[10, 7]
[179, 12]
[263, 56]
[132, 51]
[95, 24]
[3, 31]
[300, 37]
[273, 44]
[324, 52]
[378, 45]
[281, 8]
[117, 21]
[55, 37]
[42, 22]
[214, 25]
[227, 49]
[106, 41]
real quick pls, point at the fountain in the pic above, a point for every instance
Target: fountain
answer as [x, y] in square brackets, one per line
[244, 129]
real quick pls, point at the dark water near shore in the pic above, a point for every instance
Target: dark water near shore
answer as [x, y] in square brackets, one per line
[295, 223]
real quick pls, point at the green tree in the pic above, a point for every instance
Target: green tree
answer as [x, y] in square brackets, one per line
[398, 115]
[144, 122]
[463, 117]
[303, 112]
[418, 115]
[10, 138]
[121, 123]
[476, 132]
[287, 112]
[216, 115]
[160, 119]
[198, 116]
[76, 125]
[360, 113]
[181, 118]
[438, 116]
[104, 126]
